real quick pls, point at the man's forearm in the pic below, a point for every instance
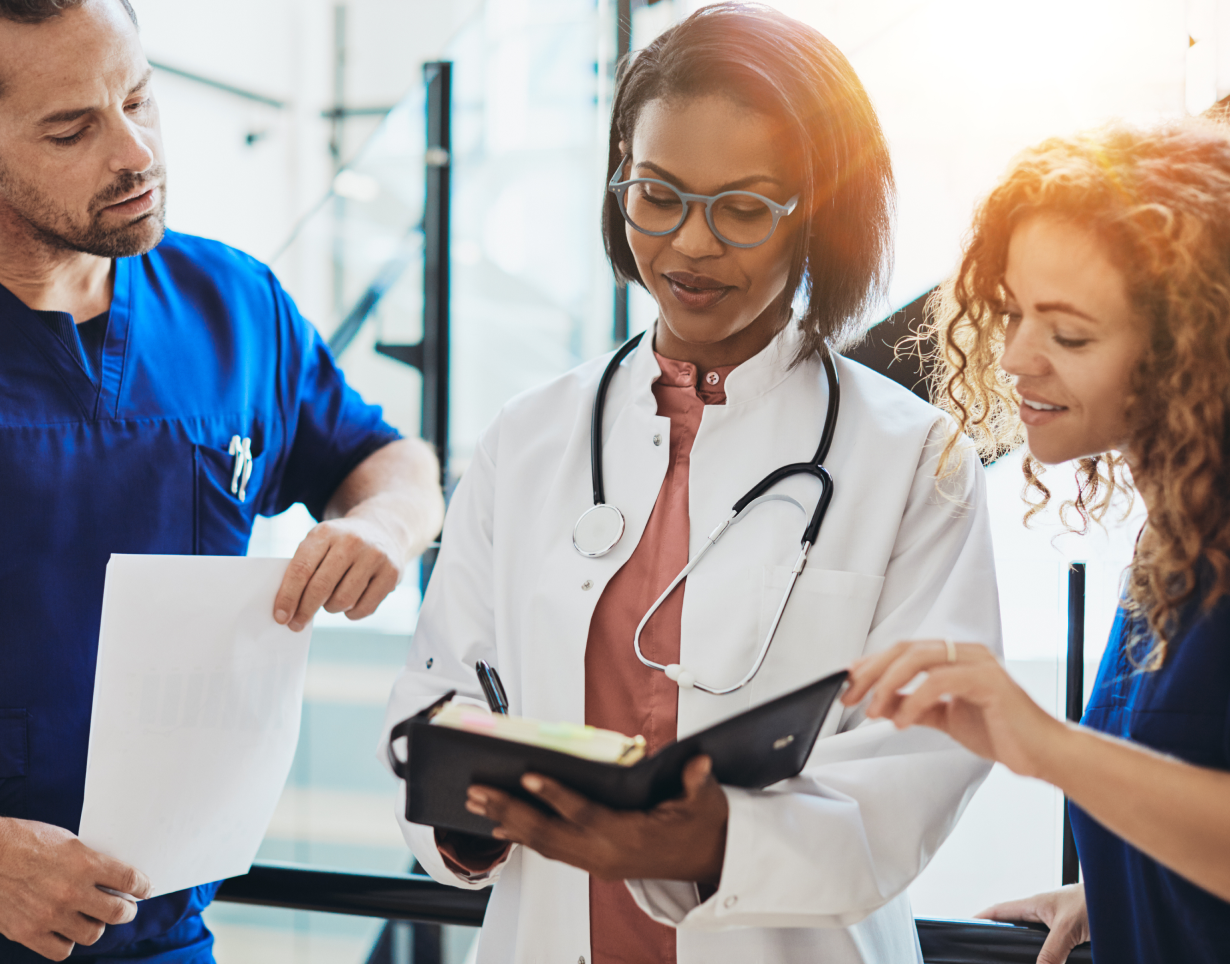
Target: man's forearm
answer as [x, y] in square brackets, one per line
[397, 486]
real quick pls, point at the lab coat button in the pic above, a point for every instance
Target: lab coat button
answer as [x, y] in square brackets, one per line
[730, 901]
[587, 584]
[581, 959]
[657, 440]
[430, 661]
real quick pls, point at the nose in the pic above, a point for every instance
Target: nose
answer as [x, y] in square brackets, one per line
[1024, 354]
[132, 151]
[693, 238]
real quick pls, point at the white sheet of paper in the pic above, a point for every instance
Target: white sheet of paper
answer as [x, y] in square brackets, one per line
[197, 701]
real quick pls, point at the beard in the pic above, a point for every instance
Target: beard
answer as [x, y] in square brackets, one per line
[59, 229]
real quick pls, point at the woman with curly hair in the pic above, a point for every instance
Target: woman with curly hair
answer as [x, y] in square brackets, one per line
[1092, 311]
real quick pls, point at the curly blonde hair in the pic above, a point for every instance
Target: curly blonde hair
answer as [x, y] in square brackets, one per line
[1159, 201]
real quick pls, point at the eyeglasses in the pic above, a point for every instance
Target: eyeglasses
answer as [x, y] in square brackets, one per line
[738, 218]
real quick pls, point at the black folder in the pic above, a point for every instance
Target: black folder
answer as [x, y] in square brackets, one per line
[754, 749]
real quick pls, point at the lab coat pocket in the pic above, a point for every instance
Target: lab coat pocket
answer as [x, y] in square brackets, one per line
[823, 629]
[14, 761]
[228, 490]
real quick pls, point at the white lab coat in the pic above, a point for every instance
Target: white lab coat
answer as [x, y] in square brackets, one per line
[816, 867]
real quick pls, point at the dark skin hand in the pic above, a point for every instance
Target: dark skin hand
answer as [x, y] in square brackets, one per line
[681, 839]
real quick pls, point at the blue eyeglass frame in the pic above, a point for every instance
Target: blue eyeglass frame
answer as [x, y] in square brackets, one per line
[620, 190]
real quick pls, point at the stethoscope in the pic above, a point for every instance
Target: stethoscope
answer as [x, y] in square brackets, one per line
[601, 526]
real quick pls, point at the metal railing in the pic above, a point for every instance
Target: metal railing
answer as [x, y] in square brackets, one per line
[419, 899]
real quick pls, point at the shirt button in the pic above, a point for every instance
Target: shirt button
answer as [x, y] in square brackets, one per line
[587, 584]
[657, 440]
[730, 901]
[713, 378]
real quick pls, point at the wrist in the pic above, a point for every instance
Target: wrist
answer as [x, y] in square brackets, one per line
[395, 529]
[710, 876]
[1054, 752]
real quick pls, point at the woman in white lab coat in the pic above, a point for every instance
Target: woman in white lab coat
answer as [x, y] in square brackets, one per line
[728, 386]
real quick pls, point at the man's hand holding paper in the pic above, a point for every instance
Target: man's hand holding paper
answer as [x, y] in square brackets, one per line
[50, 896]
[197, 702]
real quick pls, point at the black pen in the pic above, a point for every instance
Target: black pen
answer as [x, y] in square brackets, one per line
[493, 689]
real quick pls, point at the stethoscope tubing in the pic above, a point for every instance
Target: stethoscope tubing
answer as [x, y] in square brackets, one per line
[595, 429]
[758, 494]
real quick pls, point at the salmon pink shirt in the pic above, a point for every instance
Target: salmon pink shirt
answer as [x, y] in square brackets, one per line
[623, 694]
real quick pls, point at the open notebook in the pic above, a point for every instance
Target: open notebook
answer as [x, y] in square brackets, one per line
[444, 755]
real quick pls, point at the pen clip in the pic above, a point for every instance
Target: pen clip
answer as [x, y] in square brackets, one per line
[493, 688]
[499, 689]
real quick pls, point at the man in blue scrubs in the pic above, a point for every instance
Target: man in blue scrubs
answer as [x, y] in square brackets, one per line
[157, 392]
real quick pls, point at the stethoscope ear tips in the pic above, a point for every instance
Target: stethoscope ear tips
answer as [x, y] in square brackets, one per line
[678, 674]
[598, 530]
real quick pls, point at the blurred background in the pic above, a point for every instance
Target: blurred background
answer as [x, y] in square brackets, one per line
[296, 131]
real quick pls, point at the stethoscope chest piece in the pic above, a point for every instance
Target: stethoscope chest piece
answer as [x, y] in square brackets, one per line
[598, 530]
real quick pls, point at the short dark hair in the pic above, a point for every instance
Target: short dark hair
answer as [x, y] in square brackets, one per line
[37, 11]
[775, 64]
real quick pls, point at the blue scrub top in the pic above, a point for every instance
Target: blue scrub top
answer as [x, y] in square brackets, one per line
[202, 344]
[1139, 911]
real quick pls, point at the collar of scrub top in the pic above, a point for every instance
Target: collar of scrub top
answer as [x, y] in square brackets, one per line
[600, 527]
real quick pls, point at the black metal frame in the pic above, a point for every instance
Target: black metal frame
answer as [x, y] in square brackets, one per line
[431, 355]
[1074, 698]
[419, 899]
[394, 897]
[623, 47]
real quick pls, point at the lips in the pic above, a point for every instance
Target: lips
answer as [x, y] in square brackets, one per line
[696, 292]
[1036, 411]
[136, 203]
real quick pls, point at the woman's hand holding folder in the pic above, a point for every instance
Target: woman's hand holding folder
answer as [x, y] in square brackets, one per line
[680, 839]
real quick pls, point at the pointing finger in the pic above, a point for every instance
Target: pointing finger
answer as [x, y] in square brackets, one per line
[864, 672]
[941, 685]
[918, 658]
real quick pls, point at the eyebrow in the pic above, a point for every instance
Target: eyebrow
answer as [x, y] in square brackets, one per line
[732, 186]
[1042, 307]
[1066, 307]
[68, 116]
